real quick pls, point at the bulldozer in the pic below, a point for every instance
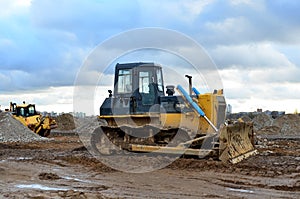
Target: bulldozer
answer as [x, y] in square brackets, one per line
[141, 115]
[28, 116]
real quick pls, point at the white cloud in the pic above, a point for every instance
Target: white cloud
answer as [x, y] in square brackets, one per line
[250, 3]
[252, 104]
[22, 3]
[13, 7]
[237, 2]
[164, 12]
[88, 99]
[276, 75]
[231, 30]
[247, 90]
[58, 99]
[255, 55]
[229, 25]
[191, 9]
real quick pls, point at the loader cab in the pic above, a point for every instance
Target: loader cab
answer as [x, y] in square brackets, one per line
[137, 87]
[27, 111]
[24, 110]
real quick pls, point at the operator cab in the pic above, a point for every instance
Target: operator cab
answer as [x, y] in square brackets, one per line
[24, 110]
[137, 87]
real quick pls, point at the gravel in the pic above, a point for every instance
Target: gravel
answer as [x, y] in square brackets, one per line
[11, 130]
[261, 121]
[288, 124]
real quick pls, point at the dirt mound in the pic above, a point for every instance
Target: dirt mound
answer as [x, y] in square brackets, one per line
[289, 124]
[11, 130]
[65, 122]
[262, 120]
[48, 176]
[268, 130]
[246, 118]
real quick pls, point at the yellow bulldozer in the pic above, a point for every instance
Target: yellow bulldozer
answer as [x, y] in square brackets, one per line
[28, 116]
[139, 117]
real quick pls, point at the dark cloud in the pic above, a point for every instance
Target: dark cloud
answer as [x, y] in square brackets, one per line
[46, 45]
[86, 19]
[226, 23]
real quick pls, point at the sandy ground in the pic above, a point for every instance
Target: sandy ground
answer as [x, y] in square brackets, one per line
[62, 168]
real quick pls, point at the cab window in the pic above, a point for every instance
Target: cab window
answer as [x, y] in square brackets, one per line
[159, 80]
[144, 81]
[22, 111]
[31, 110]
[124, 81]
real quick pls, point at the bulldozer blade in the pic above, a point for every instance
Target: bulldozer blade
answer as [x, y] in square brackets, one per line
[236, 142]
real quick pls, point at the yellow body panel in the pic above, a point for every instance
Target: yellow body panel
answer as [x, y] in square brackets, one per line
[133, 119]
[188, 120]
[170, 119]
[208, 103]
[31, 120]
[205, 102]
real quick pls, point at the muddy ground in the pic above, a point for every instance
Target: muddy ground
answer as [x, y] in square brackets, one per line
[63, 168]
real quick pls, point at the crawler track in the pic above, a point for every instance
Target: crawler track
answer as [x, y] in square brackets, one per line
[151, 138]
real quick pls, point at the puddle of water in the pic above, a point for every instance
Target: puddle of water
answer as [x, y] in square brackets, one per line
[19, 158]
[40, 187]
[16, 158]
[240, 190]
[76, 179]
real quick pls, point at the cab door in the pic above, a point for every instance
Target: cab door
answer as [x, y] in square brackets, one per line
[147, 91]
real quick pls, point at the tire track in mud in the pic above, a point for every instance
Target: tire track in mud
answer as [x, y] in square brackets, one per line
[240, 183]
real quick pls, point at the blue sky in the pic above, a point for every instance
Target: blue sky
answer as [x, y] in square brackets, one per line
[255, 45]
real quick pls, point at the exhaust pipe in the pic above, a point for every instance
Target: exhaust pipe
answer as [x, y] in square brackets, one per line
[190, 83]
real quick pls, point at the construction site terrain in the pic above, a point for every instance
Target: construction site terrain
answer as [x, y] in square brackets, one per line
[61, 167]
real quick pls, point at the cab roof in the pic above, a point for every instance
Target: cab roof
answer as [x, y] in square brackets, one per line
[136, 64]
[24, 105]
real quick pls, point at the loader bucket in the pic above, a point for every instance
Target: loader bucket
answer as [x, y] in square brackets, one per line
[236, 142]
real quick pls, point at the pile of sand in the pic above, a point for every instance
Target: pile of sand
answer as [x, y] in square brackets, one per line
[11, 130]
